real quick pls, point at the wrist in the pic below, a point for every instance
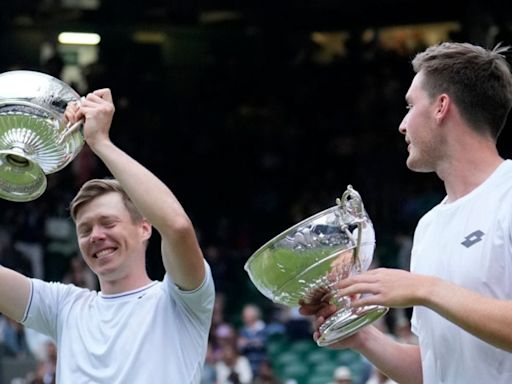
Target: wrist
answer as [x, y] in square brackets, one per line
[99, 146]
[362, 338]
[426, 292]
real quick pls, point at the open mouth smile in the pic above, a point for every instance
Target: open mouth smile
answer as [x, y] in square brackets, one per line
[104, 253]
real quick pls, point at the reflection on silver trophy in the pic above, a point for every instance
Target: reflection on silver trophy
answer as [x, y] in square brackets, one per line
[34, 139]
[308, 260]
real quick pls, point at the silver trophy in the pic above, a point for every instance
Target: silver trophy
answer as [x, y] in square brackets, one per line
[308, 260]
[34, 139]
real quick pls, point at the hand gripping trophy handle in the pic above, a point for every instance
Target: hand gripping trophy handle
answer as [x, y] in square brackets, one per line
[71, 128]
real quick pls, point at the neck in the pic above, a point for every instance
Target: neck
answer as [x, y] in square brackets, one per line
[128, 283]
[468, 169]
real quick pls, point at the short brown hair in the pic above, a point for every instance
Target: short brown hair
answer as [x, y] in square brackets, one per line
[478, 79]
[98, 187]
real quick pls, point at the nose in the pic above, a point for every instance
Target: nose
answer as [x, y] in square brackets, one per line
[96, 234]
[402, 127]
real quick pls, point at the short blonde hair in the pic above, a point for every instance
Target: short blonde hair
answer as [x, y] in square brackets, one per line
[99, 187]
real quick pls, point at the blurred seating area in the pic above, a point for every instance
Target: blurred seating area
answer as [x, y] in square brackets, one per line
[280, 349]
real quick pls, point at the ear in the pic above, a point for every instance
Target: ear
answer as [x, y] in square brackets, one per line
[146, 229]
[442, 106]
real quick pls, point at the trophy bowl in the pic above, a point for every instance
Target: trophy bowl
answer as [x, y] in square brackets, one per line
[34, 137]
[308, 260]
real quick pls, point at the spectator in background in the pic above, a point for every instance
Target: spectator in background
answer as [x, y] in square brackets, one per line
[209, 375]
[266, 374]
[233, 368]
[276, 320]
[218, 319]
[298, 326]
[12, 338]
[253, 336]
[46, 369]
[378, 377]
[342, 375]
[225, 334]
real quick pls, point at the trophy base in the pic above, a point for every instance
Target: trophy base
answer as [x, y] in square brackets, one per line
[346, 322]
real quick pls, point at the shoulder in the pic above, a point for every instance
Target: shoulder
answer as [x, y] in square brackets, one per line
[59, 291]
[207, 287]
[58, 286]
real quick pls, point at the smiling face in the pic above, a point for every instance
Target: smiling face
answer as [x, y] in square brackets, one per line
[424, 140]
[112, 244]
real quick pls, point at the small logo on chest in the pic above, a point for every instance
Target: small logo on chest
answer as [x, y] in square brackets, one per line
[473, 238]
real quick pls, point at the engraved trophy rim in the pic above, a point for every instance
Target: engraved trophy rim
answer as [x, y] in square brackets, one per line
[340, 207]
[269, 293]
[284, 233]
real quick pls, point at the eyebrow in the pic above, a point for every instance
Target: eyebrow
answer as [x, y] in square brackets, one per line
[100, 218]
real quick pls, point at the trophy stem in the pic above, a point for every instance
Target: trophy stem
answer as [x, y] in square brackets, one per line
[345, 322]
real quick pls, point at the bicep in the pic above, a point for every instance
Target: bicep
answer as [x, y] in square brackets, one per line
[14, 293]
[184, 262]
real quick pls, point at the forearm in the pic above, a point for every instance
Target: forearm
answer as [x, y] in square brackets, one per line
[486, 318]
[401, 362]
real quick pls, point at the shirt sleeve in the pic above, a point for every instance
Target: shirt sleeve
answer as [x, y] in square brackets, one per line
[46, 304]
[198, 303]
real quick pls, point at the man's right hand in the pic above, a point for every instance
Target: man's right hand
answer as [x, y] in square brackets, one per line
[322, 310]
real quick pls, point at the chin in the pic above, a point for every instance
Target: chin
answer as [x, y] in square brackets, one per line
[105, 271]
[418, 166]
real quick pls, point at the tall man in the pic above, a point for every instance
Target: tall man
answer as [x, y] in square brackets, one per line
[460, 283]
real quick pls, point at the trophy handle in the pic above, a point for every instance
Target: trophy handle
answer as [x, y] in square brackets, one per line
[70, 129]
[351, 206]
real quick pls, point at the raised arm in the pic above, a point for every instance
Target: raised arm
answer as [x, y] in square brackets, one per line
[182, 256]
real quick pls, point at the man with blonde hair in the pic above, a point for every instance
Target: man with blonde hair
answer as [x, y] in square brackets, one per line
[134, 330]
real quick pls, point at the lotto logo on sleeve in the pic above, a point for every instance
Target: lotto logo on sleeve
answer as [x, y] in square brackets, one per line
[473, 238]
